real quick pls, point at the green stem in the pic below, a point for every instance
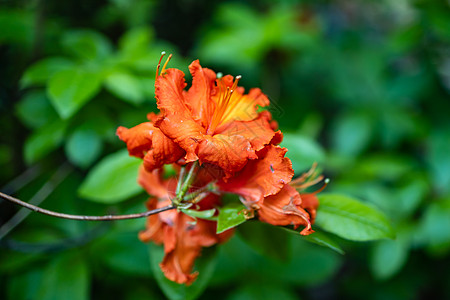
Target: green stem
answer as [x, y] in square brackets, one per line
[180, 179]
[186, 184]
[209, 187]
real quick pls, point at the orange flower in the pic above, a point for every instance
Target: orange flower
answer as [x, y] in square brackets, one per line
[287, 207]
[183, 238]
[213, 122]
[219, 126]
[148, 142]
[264, 186]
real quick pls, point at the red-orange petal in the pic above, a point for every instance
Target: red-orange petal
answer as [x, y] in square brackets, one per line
[152, 183]
[163, 151]
[277, 138]
[155, 228]
[156, 186]
[198, 98]
[284, 208]
[184, 132]
[310, 203]
[230, 153]
[148, 142]
[137, 138]
[177, 122]
[258, 131]
[169, 93]
[179, 258]
[262, 177]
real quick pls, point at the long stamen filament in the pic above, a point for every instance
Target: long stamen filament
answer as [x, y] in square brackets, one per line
[225, 104]
[306, 184]
[165, 64]
[230, 109]
[325, 183]
[159, 64]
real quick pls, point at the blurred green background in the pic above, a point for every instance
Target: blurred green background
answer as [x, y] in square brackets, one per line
[361, 87]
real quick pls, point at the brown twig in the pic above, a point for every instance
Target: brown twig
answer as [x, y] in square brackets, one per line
[85, 218]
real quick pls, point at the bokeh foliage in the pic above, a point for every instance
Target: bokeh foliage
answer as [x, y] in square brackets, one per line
[362, 87]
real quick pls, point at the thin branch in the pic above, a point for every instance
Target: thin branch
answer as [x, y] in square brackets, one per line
[85, 218]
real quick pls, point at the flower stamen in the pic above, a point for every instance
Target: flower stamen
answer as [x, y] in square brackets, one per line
[225, 104]
[165, 64]
[159, 64]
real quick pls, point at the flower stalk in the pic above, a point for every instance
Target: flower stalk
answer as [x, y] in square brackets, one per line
[181, 192]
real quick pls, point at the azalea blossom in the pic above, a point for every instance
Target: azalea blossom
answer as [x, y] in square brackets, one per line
[213, 122]
[264, 186]
[229, 145]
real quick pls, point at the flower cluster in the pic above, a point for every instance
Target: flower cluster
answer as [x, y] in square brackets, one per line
[219, 140]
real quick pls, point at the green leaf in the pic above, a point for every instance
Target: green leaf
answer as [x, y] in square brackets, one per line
[35, 110]
[83, 147]
[205, 265]
[388, 257]
[135, 42]
[113, 179]
[230, 215]
[434, 226]
[352, 133]
[147, 86]
[384, 166]
[125, 86]
[265, 239]
[247, 25]
[17, 27]
[43, 70]
[6, 154]
[308, 264]
[139, 291]
[262, 292]
[439, 160]
[351, 219]
[302, 151]
[67, 277]
[123, 252]
[70, 89]
[11, 261]
[100, 120]
[87, 44]
[43, 141]
[318, 238]
[30, 279]
[203, 214]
